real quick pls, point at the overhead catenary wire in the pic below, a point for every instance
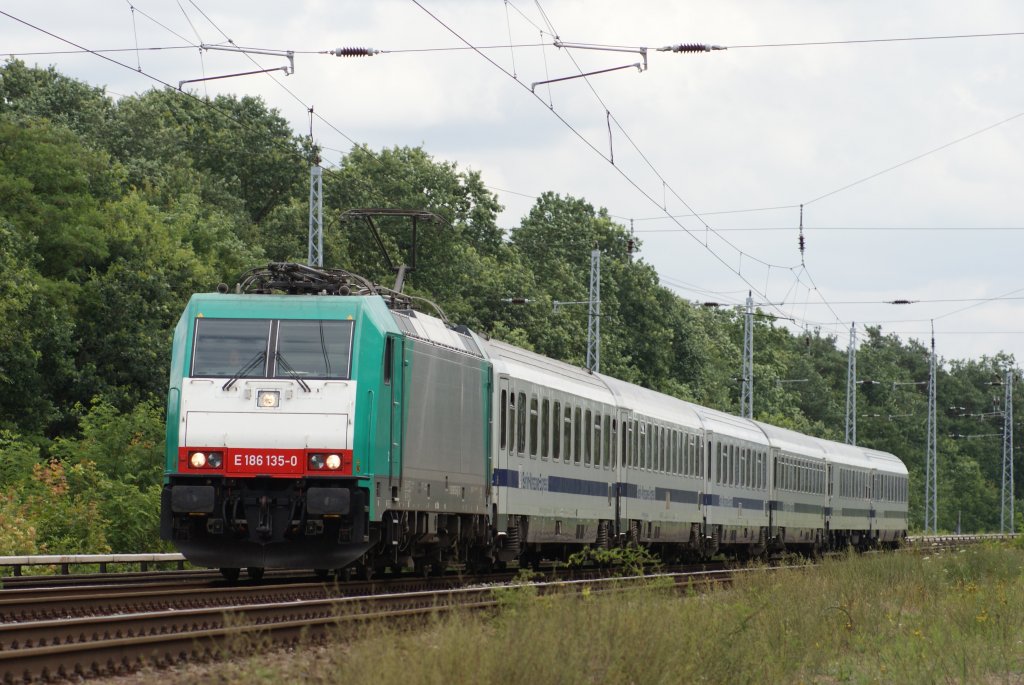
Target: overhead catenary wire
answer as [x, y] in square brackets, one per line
[665, 184]
[587, 143]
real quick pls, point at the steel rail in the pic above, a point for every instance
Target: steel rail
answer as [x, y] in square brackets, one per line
[112, 644]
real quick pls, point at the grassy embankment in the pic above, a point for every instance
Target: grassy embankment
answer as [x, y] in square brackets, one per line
[893, 618]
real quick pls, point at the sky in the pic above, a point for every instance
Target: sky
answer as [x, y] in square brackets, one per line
[906, 155]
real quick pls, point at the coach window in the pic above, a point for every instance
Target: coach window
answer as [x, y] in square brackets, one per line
[667, 440]
[691, 456]
[613, 443]
[658, 451]
[684, 454]
[577, 438]
[720, 457]
[556, 433]
[607, 441]
[624, 440]
[694, 450]
[718, 463]
[634, 443]
[665, 450]
[670, 452]
[511, 422]
[567, 433]
[674, 466]
[627, 444]
[732, 465]
[521, 423]
[504, 415]
[641, 442]
[588, 442]
[534, 422]
[652, 448]
[545, 427]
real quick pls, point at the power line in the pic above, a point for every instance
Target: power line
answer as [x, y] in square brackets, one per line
[107, 50]
[928, 301]
[876, 40]
[754, 229]
[916, 158]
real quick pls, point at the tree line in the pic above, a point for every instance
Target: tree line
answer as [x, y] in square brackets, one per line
[113, 212]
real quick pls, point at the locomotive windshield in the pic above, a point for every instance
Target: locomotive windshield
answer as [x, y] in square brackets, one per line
[230, 347]
[314, 349]
[264, 348]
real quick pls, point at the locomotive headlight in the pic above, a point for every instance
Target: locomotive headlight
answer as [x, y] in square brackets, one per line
[197, 460]
[316, 461]
[333, 462]
[214, 460]
[268, 399]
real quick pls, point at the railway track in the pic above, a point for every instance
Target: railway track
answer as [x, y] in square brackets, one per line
[97, 645]
[160, 618]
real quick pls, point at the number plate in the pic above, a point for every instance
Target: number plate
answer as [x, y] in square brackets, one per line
[265, 461]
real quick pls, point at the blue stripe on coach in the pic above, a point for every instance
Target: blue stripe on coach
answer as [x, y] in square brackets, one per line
[509, 478]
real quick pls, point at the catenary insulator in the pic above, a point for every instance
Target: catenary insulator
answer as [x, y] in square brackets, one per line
[691, 47]
[354, 52]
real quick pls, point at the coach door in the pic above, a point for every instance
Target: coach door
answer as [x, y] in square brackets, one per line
[774, 498]
[504, 440]
[394, 383]
[622, 464]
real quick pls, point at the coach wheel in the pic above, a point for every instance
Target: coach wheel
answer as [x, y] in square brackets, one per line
[255, 572]
[231, 574]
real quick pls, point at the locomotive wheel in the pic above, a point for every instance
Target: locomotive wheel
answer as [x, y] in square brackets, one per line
[231, 574]
[255, 572]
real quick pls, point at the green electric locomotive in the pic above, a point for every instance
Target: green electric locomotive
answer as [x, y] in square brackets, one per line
[304, 406]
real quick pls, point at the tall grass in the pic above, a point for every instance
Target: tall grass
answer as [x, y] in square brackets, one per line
[951, 618]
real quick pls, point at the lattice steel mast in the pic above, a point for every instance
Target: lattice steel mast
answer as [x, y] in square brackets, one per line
[931, 460]
[851, 388]
[1006, 510]
[594, 313]
[316, 215]
[747, 390]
